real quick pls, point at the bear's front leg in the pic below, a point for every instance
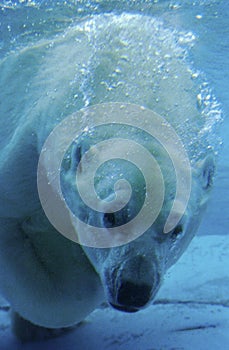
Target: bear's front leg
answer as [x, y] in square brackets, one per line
[26, 331]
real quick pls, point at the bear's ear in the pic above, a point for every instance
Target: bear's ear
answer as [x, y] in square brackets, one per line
[206, 171]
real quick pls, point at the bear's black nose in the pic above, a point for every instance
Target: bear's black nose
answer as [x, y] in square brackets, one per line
[133, 296]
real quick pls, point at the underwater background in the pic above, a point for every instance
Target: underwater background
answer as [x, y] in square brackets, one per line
[192, 309]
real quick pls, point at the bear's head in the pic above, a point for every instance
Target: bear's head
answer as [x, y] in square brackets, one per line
[131, 273]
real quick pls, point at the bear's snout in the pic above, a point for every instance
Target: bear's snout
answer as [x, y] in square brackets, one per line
[133, 284]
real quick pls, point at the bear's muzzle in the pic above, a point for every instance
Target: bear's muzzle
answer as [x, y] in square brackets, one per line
[133, 284]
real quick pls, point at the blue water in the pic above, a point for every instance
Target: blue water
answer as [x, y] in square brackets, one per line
[24, 22]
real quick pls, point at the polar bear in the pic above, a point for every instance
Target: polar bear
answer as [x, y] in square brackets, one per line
[50, 281]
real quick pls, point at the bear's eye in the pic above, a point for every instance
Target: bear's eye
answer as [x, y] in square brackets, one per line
[109, 220]
[76, 156]
[177, 231]
[78, 153]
